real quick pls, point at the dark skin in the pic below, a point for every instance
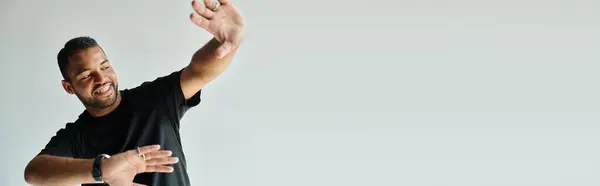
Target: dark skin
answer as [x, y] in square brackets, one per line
[89, 71]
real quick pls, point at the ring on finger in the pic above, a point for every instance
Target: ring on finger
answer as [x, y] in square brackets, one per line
[216, 7]
[140, 154]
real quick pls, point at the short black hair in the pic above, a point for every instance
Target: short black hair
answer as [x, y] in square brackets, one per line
[71, 47]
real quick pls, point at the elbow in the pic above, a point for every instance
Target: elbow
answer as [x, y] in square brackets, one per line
[31, 176]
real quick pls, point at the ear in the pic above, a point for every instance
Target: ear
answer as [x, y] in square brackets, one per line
[67, 86]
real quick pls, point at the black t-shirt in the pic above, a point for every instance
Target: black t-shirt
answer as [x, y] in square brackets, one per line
[148, 114]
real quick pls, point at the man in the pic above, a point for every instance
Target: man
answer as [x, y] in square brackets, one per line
[131, 136]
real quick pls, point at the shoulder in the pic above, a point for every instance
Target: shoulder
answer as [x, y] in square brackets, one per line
[65, 132]
[69, 133]
[158, 84]
[61, 143]
[73, 128]
[70, 128]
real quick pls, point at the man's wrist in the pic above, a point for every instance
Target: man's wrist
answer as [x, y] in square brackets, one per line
[96, 172]
[86, 177]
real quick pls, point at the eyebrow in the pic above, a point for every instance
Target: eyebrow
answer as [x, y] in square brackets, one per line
[81, 70]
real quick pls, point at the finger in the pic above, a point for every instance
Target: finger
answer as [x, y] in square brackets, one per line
[158, 154]
[210, 4]
[146, 149]
[162, 161]
[223, 50]
[158, 168]
[137, 184]
[202, 10]
[199, 20]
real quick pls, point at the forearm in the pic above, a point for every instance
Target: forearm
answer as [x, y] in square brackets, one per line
[52, 170]
[205, 64]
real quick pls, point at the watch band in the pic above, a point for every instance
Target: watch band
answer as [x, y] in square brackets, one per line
[97, 167]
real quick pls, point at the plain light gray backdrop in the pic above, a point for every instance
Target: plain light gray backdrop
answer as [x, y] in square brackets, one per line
[339, 92]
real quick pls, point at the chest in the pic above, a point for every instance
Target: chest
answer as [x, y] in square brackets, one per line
[125, 130]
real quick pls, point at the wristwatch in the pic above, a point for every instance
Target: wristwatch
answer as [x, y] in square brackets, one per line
[97, 167]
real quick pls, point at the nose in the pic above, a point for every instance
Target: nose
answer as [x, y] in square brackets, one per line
[99, 78]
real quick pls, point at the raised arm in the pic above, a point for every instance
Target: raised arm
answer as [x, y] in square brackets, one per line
[226, 24]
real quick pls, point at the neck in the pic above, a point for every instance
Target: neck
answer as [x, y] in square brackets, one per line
[101, 112]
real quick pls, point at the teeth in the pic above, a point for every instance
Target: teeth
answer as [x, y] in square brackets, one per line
[103, 89]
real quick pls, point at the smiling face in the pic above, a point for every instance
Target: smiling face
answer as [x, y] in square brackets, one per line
[90, 76]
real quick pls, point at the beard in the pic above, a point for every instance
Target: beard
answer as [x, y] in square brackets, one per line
[93, 102]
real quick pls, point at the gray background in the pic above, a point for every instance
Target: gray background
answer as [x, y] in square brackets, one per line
[338, 92]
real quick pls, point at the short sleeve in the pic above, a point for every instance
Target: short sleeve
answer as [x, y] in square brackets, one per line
[166, 93]
[175, 94]
[59, 145]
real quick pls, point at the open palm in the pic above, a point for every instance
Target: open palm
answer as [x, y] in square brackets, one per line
[121, 169]
[225, 23]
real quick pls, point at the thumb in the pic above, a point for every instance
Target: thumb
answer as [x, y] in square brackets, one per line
[137, 184]
[223, 49]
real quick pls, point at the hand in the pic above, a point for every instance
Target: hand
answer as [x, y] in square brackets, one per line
[120, 169]
[226, 23]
